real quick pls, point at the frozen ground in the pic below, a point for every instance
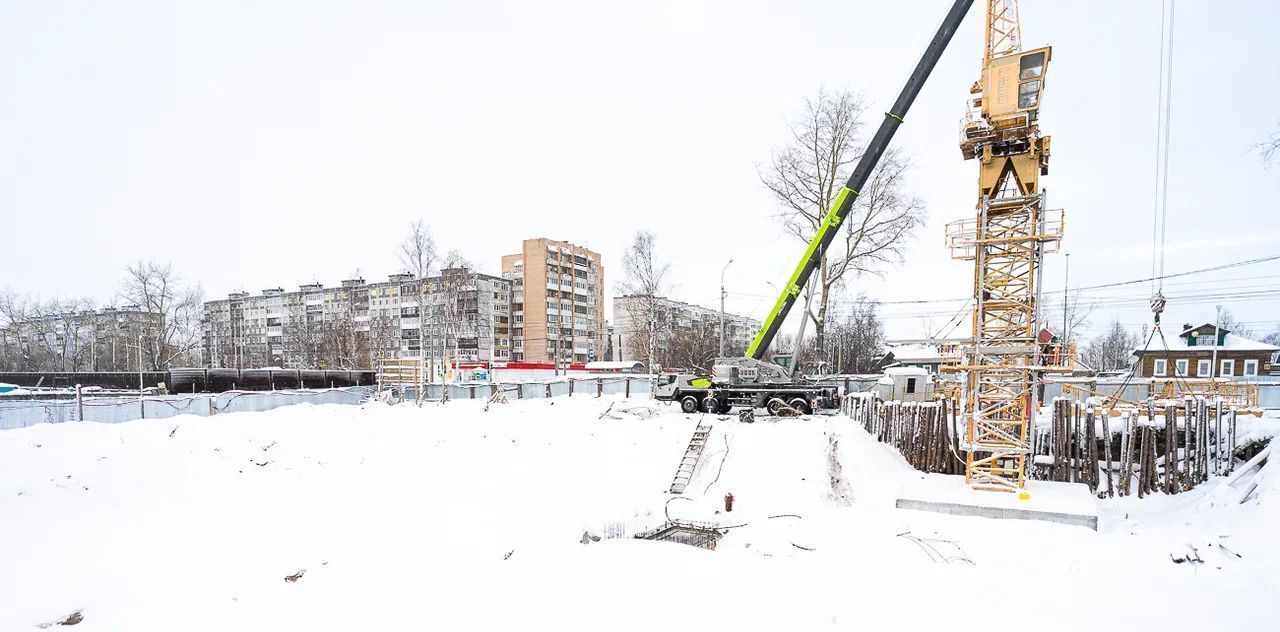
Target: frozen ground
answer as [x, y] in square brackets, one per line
[458, 518]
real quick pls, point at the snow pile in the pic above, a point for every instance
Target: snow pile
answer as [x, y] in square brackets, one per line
[453, 517]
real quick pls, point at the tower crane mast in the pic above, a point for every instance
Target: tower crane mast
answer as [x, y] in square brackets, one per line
[1007, 240]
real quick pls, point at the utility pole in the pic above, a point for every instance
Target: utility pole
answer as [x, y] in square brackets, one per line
[1213, 370]
[722, 294]
[1066, 277]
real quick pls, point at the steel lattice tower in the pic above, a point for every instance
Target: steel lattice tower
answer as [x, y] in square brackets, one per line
[1007, 241]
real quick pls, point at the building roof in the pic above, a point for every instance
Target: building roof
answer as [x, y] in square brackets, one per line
[1188, 330]
[1230, 342]
[915, 353]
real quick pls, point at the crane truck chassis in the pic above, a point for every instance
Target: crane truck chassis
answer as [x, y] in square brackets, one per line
[746, 383]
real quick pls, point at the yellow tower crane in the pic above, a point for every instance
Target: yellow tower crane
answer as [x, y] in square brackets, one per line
[1007, 242]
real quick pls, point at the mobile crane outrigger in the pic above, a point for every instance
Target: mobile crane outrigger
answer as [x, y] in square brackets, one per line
[752, 381]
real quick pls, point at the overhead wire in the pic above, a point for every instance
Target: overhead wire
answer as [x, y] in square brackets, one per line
[1164, 149]
[1155, 198]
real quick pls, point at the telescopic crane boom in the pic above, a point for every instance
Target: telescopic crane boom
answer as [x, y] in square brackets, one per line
[843, 203]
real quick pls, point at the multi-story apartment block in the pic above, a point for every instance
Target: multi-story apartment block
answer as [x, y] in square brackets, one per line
[676, 323]
[104, 339]
[558, 302]
[466, 317]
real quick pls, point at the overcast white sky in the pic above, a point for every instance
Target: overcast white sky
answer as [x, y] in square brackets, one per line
[259, 144]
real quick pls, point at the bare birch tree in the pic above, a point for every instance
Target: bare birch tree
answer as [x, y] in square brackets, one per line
[303, 338]
[1067, 316]
[1270, 148]
[155, 287]
[1111, 350]
[645, 280]
[808, 173]
[855, 338]
[694, 346]
[418, 255]
[1234, 325]
[458, 308]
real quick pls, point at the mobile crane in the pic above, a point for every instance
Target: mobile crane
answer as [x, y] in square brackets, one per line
[752, 381]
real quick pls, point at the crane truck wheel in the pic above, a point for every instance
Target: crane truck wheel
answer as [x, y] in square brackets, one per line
[774, 405]
[801, 406]
[711, 405]
[689, 404]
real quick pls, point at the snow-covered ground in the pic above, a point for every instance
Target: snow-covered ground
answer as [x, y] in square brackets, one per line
[453, 517]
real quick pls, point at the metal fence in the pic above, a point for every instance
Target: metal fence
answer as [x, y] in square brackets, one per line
[626, 385]
[1138, 389]
[23, 413]
[20, 413]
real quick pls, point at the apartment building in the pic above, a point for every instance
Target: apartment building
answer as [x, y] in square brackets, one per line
[683, 329]
[557, 302]
[466, 316]
[103, 339]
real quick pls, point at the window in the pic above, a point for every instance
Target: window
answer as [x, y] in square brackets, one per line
[1250, 367]
[1029, 94]
[1180, 367]
[1204, 367]
[1031, 66]
[1161, 367]
[911, 385]
[1205, 340]
[1228, 368]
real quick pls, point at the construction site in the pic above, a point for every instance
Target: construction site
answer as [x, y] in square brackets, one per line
[749, 495]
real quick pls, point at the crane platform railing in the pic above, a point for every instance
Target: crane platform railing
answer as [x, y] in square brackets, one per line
[962, 234]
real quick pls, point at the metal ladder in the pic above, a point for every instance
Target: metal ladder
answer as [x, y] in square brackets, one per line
[690, 459]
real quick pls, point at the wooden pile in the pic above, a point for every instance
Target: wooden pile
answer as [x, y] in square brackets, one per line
[924, 432]
[1169, 447]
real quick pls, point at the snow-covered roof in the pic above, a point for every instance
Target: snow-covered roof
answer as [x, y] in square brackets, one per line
[915, 353]
[905, 370]
[1230, 342]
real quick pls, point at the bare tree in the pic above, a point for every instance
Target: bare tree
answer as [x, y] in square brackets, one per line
[341, 349]
[694, 346]
[646, 281]
[303, 338]
[458, 311]
[854, 341]
[1066, 320]
[1270, 148]
[1111, 350]
[418, 255]
[14, 350]
[383, 337]
[155, 288]
[1232, 324]
[807, 175]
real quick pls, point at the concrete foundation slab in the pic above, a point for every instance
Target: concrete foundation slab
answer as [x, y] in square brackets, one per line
[1063, 503]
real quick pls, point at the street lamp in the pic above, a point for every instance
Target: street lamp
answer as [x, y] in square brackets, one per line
[1216, 326]
[722, 295]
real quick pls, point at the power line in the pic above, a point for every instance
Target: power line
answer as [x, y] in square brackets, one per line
[1225, 266]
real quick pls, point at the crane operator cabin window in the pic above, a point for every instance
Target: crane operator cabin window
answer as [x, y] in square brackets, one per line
[1031, 67]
